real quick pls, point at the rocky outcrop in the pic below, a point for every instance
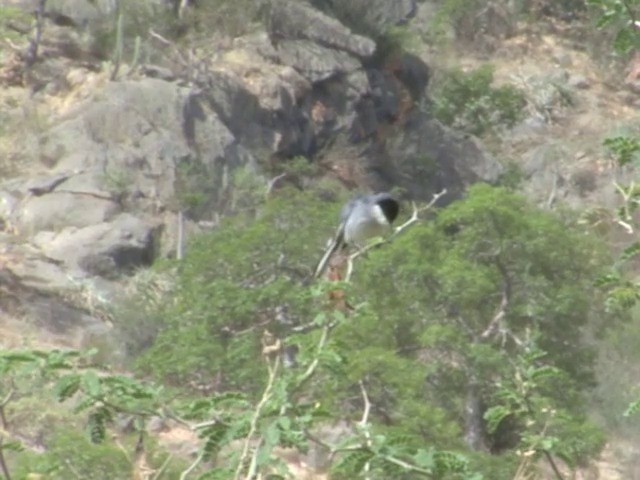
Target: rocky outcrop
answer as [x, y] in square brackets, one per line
[119, 164]
[292, 20]
[103, 249]
[371, 16]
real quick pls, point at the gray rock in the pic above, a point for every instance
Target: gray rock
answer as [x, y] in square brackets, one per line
[293, 20]
[60, 209]
[579, 81]
[427, 156]
[104, 249]
[315, 62]
[42, 185]
[8, 204]
[132, 137]
[36, 272]
[375, 15]
[39, 292]
[81, 12]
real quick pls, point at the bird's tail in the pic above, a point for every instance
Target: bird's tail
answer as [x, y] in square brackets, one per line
[336, 244]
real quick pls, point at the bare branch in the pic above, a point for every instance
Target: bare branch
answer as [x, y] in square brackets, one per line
[193, 466]
[180, 240]
[314, 364]
[364, 425]
[5, 401]
[496, 325]
[367, 405]
[34, 43]
[272, 183]
[273, 370]
[183, 6]
[414, 216]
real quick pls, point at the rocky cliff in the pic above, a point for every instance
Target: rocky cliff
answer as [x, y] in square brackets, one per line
[98, 176]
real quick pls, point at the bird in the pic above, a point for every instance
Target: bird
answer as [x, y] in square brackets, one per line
[361, 218]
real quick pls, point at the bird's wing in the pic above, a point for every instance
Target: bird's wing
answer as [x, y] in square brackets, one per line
[348, 207]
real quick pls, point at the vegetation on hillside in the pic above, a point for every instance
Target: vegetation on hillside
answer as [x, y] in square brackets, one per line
[463, 349]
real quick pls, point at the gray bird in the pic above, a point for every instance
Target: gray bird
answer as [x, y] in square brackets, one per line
[362, 218]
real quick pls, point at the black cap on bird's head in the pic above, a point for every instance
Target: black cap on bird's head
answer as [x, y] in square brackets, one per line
[389, 205]
[390, 208]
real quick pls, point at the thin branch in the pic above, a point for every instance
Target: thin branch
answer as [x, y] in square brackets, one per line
[272, 183]
[192, 467]
[253, 465]
[408, 466]
[3, 462]
[495, 325]
[364, 425]
[273, 370]
[73, 469]
[5, 401]
[414, 216]
[183, 6]
[34, 43]
[367, 406]
[180, 241]
[321, 343]
[630, 12]
[185, 63]
[163, 467]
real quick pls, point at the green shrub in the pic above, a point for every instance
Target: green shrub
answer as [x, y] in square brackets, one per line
[467, 101]
[70, 454]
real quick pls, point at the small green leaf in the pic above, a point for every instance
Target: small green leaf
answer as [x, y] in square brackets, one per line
[67, 386]
[494, 416]
[632, 408]
[631, 251]
[91, 384]
[272, 434]
[13, 446]
[425, 459]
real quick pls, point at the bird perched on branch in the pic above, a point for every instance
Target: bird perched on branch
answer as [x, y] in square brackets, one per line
[362, 218]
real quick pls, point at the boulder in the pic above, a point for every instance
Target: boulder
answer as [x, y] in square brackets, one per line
[134, 138]
[426, 156]
[105, 249]
[61, 209]
[295, 20]
[372, 16]
[315, 62]
[79, 13]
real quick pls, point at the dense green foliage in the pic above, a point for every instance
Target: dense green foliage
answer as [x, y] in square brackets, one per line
[469, 102]
[469, 325]
[442, 313]
[621, 17]
[465, 353]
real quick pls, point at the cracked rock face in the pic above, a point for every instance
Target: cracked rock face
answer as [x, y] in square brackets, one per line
[111, 172]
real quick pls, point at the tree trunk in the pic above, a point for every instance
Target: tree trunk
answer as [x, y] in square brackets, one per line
[473, 423]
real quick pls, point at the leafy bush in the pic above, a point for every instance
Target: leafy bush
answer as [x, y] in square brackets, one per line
[619, 16]
[233, 283]
[423, 329]
[489, 267]
[70, 454]
[467, 101]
